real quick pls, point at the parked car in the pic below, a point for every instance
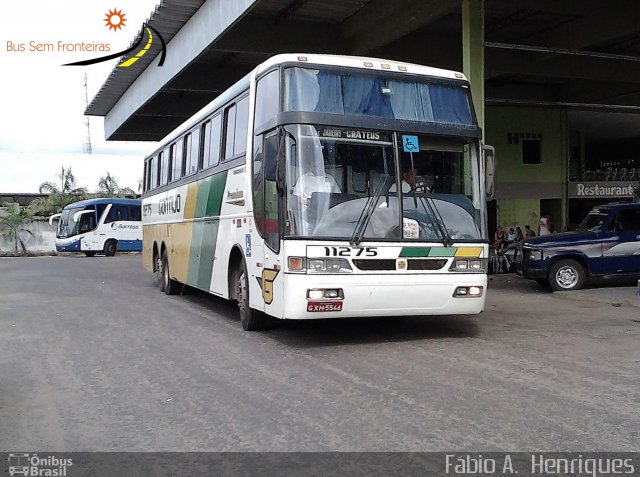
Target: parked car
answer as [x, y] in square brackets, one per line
[607, 242]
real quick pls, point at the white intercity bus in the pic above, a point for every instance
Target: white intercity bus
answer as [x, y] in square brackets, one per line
[323, 187]
[104, 225]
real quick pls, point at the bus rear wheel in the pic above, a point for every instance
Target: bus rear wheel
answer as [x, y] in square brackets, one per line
[170, 286]
[110, 248]
[250, 319]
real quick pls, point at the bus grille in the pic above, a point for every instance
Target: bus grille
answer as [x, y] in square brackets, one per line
[412, 264]
[422, 264]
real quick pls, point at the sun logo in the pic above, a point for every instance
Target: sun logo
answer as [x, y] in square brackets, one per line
[115, 19]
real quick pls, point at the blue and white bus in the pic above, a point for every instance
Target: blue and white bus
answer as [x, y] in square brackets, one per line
[100, 226]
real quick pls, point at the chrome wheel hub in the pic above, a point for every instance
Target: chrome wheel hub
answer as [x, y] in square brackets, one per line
[566, 277]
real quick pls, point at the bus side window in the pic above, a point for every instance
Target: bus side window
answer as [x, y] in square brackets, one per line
[213, 156]
[153, 175]
[186, 151]
[206, 144]
[230, 130]
[164, 167]
[117, 212]
[242, 119]
[100, 208]
[176, 160]
[135, 214]
[194, 158]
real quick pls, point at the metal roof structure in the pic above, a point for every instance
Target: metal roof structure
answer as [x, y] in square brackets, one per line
[582, 55]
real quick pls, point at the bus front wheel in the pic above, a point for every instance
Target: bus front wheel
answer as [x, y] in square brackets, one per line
[250, 319]
[110, 248]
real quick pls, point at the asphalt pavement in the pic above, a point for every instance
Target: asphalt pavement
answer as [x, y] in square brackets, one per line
[96, 359]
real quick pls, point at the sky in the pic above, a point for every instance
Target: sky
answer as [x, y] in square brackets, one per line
[42, 103]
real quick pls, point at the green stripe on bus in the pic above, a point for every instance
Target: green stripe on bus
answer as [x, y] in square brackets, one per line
[442, 251]
[205, 234]
[415, 252]
[194, 253]
[210, 195]
[207, 251]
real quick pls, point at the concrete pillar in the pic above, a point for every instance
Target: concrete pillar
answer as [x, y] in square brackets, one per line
[473, 52]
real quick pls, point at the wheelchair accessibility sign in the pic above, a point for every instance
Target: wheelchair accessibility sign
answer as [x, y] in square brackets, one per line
[410, 143]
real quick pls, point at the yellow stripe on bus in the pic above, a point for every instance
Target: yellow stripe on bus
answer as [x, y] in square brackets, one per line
[469, 252]
[190, 203]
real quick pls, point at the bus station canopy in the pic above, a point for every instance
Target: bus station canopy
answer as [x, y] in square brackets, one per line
[576, 54]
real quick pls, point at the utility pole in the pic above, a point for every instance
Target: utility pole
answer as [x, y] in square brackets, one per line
[86, 148]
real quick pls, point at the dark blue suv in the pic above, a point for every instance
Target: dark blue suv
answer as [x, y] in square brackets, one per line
[607, 242]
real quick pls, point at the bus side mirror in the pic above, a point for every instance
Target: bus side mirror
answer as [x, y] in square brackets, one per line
[490, 168]
[54, 217]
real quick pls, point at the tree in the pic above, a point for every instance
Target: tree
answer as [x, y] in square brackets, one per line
[67, 184]
[12, 224]
[108, 185]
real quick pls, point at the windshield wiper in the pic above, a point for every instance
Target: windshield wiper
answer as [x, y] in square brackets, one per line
[447, 241]
[367, 213]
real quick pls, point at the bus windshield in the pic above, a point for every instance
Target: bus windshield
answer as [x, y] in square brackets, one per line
[359, 94]
[352, 185]
[69, 226]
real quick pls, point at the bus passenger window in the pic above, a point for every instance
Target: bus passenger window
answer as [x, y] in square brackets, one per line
[153, 182]
[164, 167]
[242, 118]
[194, 152]
[214, 143]
[206, 141]
[135, 214]
[230, 129]
[186, 151]
[176, 160]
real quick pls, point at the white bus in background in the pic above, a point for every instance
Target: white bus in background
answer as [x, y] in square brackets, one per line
[229, 204]
[105, 225]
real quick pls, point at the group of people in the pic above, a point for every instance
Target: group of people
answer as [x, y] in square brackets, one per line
[503, 240]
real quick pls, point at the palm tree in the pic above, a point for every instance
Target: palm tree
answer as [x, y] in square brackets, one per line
[60, 193]
[108, 185]
[67, 184]
[12, 224]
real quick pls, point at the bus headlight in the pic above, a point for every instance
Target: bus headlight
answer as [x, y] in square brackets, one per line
[318, 265]
[476, 265]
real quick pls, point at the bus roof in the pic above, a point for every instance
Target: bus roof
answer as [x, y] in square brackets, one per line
[363, 62]
[104, 200]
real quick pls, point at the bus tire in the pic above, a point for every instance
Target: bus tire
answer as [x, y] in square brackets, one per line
[170, 286]
[250, 319]
[110, 248]
[90, 254]
[566, 275]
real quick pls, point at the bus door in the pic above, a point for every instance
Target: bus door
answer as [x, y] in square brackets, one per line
[267, 205]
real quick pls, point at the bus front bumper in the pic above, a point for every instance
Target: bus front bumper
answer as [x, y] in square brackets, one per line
[383, 295]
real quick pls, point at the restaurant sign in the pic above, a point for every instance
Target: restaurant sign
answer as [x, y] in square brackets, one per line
[616, 190]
